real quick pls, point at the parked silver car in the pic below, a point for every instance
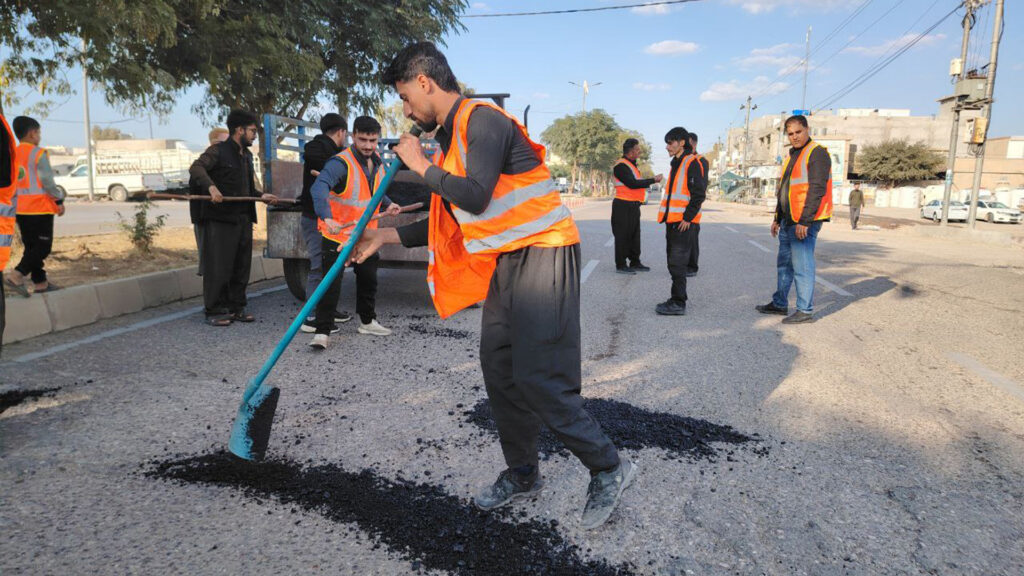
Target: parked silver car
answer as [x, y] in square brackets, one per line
[933, 210]
[995, 211]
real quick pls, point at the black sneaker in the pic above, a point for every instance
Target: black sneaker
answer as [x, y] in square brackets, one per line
[671, 308]
[691, 274]
[308, 327]
[340, 316]
[624, 270]
[771, 308]
[798, 317]
[506, 488]
[604, 492]
[638, 267]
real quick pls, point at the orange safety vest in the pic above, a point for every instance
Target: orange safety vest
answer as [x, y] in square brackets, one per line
[678, 196]
[349, 204]
[525, 210]
[8, 197]
[32, 197]
[799, 185]
[623, 192]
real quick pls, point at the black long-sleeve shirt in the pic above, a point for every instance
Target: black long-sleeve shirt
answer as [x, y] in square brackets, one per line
[229, 167]
[819, 168]
[696, 181]
[495, 146]
[315, 154]
[625, 175]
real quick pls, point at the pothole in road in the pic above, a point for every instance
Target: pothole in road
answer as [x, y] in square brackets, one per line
[422, 523]
[16, 397]
[632, 428]
[439, 332]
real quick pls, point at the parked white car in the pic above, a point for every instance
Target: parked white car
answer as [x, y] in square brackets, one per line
[933, 211]
[117, 187]
[995, 211]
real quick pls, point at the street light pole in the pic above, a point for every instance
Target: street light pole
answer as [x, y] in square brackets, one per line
[807, 61]
[990, 85]
[586, 90]
[88, 124]
[746, 135]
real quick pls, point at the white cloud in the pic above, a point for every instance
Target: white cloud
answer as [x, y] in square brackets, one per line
[646, 87]
[658, 9]
[893, 45]
[772, 57]
[479, 6]
[763, 6]
[736, 90]
[671, 48]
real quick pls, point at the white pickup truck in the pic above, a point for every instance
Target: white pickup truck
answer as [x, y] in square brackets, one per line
[117, 187]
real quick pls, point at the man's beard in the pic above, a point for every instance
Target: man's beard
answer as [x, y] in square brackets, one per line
[245, 142]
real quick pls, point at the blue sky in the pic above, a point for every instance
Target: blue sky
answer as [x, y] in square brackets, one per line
[691, 64]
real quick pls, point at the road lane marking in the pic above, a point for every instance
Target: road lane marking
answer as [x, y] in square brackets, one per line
[831, 286]
[992, 377]
[587, 270]
[127, 329]
[610, 242]
[731, 229]
[760, 247]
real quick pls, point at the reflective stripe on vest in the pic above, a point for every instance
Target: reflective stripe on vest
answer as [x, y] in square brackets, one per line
[674, 204]
[32, 197]
[623, 192]
[799, 185]
[349, 204]
[525, 210]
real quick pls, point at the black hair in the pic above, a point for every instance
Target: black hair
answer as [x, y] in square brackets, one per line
[798, 118]
[22, 125]
[365, 125]
[629, 144]
[421, 58]
[693, 136]
[332, 122]
[677, 134]
[240, 119]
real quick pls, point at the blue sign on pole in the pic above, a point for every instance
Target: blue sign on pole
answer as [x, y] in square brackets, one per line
[801, 112]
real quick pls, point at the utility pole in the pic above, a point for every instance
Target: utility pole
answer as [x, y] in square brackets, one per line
[746, 135]
[968, 23]
[990, 85]
[586, 90]
[88, 125]
[782, 134]
[807, 63]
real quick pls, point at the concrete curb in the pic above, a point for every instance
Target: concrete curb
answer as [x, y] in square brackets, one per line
[81, 305]
[983, 236]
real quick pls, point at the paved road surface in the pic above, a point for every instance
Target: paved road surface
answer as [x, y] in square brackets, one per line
[100, 217]
[887, 438]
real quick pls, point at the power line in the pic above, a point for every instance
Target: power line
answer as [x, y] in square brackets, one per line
[876, 68]
[576, 10]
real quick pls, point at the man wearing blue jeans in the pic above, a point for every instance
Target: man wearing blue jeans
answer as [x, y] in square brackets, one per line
[804, 203]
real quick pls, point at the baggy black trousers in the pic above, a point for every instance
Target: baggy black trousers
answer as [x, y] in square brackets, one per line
[37, 236]
[366, 289]
[678, 249]
[530, 357]
[227, 258]
[626, 229]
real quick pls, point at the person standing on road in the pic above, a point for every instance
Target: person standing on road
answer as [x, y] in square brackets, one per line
[680, 212]
[315, 154]
[195, 207]
[225, 170]
[630, 192]
[39, 199]
[693, 266]
[856, 203]
[8, 207]
[340, 194]
[805, 201]
[499, 232]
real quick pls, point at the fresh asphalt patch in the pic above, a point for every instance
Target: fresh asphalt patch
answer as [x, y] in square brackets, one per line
[633, 428]
[422, 523]
[15, 397]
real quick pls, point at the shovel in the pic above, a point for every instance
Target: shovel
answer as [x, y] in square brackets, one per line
[250, 434]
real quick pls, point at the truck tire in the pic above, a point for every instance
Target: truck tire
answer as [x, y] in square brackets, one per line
[117, 193]
[295, 272]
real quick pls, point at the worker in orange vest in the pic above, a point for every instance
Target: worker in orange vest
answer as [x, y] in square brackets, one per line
[630, 193]
[498, 232]
[680, 212]
[804, 203]
[39, 199]
[8, 207]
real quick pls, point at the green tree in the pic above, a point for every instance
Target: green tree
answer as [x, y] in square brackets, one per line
[590, 142]
[897, 161]
[274, 56]
[101, 133]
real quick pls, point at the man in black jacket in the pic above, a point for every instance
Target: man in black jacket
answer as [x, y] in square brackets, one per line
[680, 212]
[693, 266]
[804, 203]
[629, 196]
[225, 170]
[331, 140]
